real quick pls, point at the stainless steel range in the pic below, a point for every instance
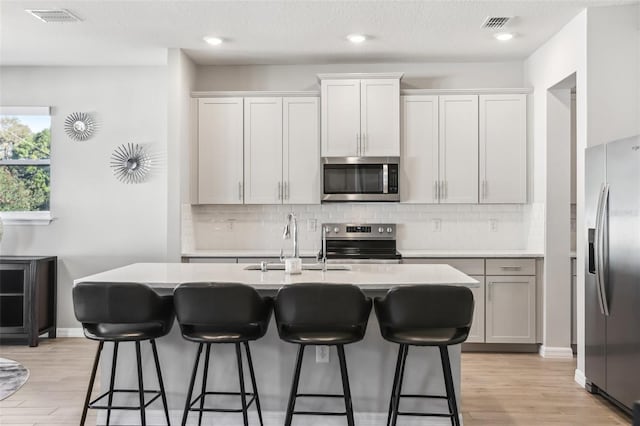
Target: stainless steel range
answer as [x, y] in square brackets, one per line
[361, 243]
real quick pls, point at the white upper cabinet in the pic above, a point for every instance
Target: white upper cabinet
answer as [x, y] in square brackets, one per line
[419, 149]
[340, 118]
[503, 148]
[219, 160]
[458, 149]
[263, 151]
[380, 117]
[360, 117]
[301, 150]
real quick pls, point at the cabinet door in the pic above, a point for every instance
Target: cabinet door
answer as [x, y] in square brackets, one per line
[419, 153]
[340, 118]
[503, 149]
[301, 150]
[220, 151]
[380, 117]
[476, 334]
[459, 149]
[510, 309]
[263, 151]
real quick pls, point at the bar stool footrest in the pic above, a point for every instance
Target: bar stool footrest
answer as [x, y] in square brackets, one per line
[221, 410]
[320, 413]
[417, 414]
[93, 405]
[424, 396]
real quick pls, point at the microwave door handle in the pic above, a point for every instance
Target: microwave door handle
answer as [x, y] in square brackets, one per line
[385, 178]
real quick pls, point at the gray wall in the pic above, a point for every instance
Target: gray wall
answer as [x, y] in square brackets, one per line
[99, 223]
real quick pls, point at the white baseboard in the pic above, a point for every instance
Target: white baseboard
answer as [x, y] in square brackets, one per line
[556, 352]
[69, 332]
[580, 378]
[271, 418]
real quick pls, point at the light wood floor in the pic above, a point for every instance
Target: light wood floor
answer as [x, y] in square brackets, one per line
[497, 389]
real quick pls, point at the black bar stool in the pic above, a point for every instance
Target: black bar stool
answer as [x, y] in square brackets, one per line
[217, 313]
[321, 314]
[123, 312]
[426, 315]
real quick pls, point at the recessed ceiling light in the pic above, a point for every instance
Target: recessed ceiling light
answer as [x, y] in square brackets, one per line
[356, 38]
[214, 41]
[503, 36]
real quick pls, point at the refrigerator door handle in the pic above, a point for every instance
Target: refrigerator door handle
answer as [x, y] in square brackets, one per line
[598, 241]
[602, 247]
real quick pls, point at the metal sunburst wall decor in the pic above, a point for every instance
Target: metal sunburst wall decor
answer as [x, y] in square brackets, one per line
[131, 163]
[80, 126]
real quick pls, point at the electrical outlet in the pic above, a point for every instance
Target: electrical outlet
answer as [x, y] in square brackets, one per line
[437, 225]
[493, 225]
[312, 225]
[322, 354]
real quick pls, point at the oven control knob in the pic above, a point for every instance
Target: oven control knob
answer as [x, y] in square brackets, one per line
[389, 230]
[381, 230]
[336, 229]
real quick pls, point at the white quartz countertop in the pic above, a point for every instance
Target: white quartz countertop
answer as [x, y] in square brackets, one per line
[470, 253]
[246, 253]
[365, 276]
[405, 253]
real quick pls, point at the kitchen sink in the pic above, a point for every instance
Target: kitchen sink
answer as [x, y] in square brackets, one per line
[305, 267]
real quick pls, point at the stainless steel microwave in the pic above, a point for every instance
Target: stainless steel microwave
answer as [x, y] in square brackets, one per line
[360, 179]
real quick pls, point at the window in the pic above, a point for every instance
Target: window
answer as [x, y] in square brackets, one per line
[25, 164]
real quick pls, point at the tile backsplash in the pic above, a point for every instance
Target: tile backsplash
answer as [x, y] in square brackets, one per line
[420, 226]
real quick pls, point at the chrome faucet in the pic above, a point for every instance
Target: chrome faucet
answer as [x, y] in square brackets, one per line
[291, 229]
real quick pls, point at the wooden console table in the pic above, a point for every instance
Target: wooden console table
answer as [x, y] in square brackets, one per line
[28, 286]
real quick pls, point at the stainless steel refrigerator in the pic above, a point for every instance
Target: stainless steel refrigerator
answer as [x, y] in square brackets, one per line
[612, 271]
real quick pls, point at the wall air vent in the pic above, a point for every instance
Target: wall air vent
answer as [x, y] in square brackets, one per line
[495, 22]
[53, 15]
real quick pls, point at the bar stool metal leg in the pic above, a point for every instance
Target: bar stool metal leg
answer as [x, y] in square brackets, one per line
[396, 402]
[187, 404]
[205, 373]
[91, 382]
[253, 381]
[113, 378]
[160, 382]
[140, 385]
[395, 383]
[294, 387]
[448, 382]
[243, 395]
[345, 385]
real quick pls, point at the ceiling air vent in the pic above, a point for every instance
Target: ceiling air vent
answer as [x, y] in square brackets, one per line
[495, 22]
[53, 15]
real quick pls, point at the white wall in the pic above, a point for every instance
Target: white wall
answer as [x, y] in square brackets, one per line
[456, 75]
[180, 132]
[100, 223]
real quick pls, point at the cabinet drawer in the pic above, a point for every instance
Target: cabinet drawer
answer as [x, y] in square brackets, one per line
[511, 267]
[468, 266]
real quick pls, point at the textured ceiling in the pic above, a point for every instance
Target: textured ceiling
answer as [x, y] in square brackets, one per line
[271, 32]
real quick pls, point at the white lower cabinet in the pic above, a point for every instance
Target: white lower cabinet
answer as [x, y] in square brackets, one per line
[510, 309]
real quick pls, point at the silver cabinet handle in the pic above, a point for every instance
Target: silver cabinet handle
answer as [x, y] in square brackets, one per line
[484, 189]
[357, 144]
[511, 268]
[489, 286]
[363, 144]
[240, 191]
[279, 190]
[286, 190]
[435, 190]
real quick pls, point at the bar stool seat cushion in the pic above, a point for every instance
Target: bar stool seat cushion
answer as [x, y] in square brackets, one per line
[128, 332]
[426, 337]
[229, 334]
[303, 335]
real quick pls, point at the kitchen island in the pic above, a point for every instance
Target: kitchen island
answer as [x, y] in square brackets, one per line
[371, 362]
